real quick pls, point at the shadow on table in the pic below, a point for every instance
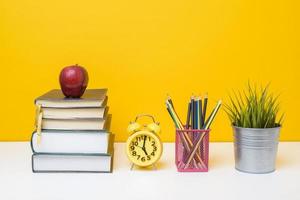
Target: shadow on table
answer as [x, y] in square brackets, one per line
[218, 162]
[158, 166]
[283, 162]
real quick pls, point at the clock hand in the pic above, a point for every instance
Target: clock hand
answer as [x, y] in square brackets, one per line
[144, 149]
[145, 137]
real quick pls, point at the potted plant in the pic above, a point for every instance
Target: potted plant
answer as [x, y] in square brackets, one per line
[254, 117]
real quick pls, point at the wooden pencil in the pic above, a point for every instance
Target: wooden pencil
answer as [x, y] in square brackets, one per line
[188, 144]
[207, 125]
[205, 107]
[200, 114]
[188, 118]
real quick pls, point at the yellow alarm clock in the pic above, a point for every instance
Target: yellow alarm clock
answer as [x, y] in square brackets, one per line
[144, 147]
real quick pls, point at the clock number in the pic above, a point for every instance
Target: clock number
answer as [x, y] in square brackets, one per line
[134, 153]
[153, 143]
[135, 143]
[132, 148]
[138, 156]
[143, 159]
[148, 158]
[153, 154]
[154, 148]
[140, 138]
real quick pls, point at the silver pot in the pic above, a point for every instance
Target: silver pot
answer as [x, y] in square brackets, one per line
[255, 149]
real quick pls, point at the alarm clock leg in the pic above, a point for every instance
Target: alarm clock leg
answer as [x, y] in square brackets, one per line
[154, 167]
[132, 166]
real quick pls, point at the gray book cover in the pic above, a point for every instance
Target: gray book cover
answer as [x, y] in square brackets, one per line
[90, 98]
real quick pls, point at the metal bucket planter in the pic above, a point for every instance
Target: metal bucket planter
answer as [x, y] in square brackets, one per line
[255, 149]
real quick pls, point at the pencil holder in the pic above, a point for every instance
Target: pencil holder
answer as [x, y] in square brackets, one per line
[192, 150]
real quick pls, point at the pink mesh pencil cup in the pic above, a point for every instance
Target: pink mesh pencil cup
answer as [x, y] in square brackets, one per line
[192, 150]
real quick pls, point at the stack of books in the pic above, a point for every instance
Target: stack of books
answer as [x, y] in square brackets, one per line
[74, 134]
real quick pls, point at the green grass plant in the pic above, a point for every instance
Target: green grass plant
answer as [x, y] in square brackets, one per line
[254, 108]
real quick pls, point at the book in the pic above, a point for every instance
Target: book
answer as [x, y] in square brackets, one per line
[56, 99]
[74, 113]
[55, 162]
[58, 141]
[74, 124]
[71, 163]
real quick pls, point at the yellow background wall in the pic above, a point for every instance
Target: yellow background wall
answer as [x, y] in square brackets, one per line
[142, 50]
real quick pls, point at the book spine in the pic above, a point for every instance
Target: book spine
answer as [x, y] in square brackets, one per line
[31, 143]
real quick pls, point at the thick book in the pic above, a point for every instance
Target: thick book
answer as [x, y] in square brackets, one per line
[71, 163]
[74, 113]
[93, 163]
[84, 142]
[90, 98]
[74, 124]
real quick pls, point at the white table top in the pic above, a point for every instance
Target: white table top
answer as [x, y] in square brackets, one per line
[221, 182]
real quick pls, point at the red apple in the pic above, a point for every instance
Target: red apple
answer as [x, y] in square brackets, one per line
[73, 81]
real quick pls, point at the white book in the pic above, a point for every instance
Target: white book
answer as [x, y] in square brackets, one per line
[73, 124]
[73, 113]
[71, 163]
[56, 141]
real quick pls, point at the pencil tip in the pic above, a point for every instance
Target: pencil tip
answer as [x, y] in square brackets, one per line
[168, 97]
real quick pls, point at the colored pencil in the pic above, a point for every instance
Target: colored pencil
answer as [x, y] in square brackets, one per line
[199, 124]
[188, 144]
[192, 112]
[170, 101]
[205, 107]
[188, 118]
[200, 117]
[206, 127]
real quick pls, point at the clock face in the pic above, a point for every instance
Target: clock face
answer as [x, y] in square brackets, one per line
[144, 148]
